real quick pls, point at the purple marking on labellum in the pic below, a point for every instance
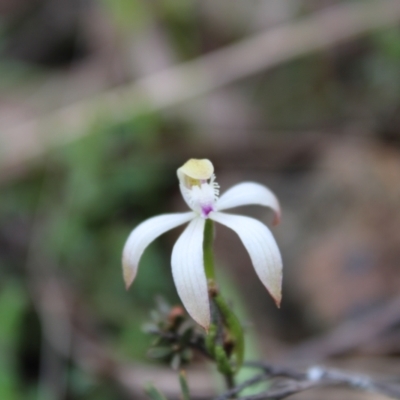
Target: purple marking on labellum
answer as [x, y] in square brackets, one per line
[205, 210]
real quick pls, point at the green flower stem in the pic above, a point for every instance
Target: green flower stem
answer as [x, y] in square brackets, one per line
[225, 340]
[234, 328]
[208, 251]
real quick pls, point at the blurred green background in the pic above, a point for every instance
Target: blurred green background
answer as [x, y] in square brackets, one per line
[85, 155]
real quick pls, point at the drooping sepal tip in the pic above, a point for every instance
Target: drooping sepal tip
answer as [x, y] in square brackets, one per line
[277, 297]
[277, 217]
[276, 294]
[276, 208]
[275, 291]
[278, 301]
[128, 275]
[205, 324]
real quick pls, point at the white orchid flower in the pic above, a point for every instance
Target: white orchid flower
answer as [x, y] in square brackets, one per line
[201, 193]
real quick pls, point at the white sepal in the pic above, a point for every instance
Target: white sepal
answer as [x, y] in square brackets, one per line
[143, 235]
[188, 272]
[262, 248]
[248, 193]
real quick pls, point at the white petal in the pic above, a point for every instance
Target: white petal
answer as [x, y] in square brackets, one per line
[261, 246]
[188, 272]
[247, 193]
[143, 235]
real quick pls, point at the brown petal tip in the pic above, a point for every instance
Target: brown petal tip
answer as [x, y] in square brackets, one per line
[277, 218]
[128, 277]
[278, 302]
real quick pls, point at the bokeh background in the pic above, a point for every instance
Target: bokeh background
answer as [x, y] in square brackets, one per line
[100, 103]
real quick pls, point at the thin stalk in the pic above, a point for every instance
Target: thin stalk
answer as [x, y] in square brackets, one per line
[208, 253]
[234, 327]
[230, 384]
[221, 316]
[184, 386]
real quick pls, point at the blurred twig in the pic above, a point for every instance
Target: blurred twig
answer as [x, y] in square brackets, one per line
[29, 140]
[315, 376]
[238, 388]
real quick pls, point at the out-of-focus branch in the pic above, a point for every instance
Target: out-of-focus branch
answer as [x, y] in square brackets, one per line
[29, 140]
[238, 388]
[297, 381]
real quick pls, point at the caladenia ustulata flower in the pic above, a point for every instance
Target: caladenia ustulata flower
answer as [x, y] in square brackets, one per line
[201, 193]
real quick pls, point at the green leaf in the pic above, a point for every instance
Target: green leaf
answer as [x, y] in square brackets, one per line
[159, 352]
[222, 361]
[154, 393]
